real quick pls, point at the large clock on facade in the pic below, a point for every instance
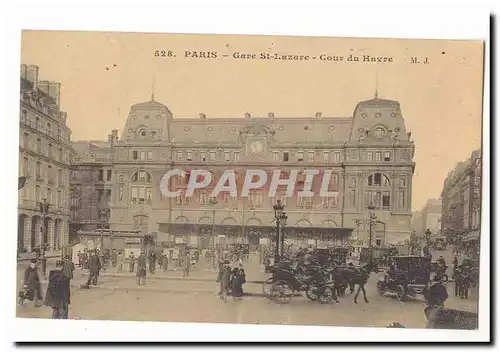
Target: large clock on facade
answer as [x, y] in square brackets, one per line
[256, 147]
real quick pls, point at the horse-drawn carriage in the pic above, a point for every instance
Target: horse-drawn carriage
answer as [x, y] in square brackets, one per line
[407, 276]
[288, 279]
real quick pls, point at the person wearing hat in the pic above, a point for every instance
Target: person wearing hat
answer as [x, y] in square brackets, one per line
[437, 294]
[224, 278]
[141, 268]
[58, 292]
[68, 267]
[32, 283]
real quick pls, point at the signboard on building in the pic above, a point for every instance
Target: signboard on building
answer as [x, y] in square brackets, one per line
[264, 241]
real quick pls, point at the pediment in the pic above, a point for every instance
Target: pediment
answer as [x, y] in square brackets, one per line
[257, 129]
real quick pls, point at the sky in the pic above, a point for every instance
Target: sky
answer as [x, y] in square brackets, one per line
[103, 74]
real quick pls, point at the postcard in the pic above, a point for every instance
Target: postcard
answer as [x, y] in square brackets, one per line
[248, 179]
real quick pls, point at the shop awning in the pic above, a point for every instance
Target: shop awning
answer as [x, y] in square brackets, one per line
[472, 236]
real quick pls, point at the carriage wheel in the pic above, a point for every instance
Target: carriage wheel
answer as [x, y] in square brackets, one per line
[281, 292]
[400, 293]
[312, 293]
[325, 295]
[380, 288]
[267, 287]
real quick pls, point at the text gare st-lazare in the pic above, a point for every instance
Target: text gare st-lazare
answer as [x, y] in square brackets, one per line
[187, 54]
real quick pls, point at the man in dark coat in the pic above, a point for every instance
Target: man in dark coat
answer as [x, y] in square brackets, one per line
[141, 268]
[94, 266]
[68, 267]
[114, 256]
[32, 283]
[224, 278]
[435, 297]
[152, 262]
[58, 292]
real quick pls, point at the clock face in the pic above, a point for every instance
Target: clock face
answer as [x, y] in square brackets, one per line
[256, 147]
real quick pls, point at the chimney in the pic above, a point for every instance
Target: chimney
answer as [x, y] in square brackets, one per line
[318, 115]
[202, 115]
[24, 68]
[32, 74]
[114, 133]
[63, 115]
[271, 115]
[247, 115]
[44, 87]
[110, 138]
[55, 91]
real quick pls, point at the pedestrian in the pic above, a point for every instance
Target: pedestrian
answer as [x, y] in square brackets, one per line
[114, 257]
[237, 281]
[435, 297]
[186, 264]
[131, 262]
[68, 267]
[94, 266]
[141, 268]
[165, 261]
[175, 257]
[58, 292]
[119, 262]
[361, 279]
[455, 265]
[80, 259]
[224, 278]
[85, 258]
[31, 283]
[152, 262]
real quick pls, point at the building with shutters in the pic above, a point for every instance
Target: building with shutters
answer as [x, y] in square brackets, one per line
[461, 204]
[44, 159]
[370, 154]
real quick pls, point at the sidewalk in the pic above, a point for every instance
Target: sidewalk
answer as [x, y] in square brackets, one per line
[49, 255]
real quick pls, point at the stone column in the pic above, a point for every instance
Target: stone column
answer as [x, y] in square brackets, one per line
[38, 232]
[64, 233]
[27, 233]
[50, 234]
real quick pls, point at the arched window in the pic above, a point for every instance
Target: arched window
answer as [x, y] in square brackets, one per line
[378, 191]
[379, 132]
[140, 188]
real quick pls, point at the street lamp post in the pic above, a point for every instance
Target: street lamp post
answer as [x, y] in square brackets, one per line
[278, 213]
[44, 209]
[372, 218]
[103, 214]
[427, 242]
[283, 220]
[213, 203]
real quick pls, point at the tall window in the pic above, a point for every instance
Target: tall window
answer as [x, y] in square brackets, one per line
[378, 191]
[37, 170]
[59, 199]
[60, 180]
[378, 156]
[203, 156]
[300, 156]
[255, 198]
[37, 193]
[49, 174]
[38, 145]
[369, 156]
[49, 150]
[311, 157]
[213, 156]
[285, 156]
[387, 156]
[352, 197]
[275, 156]
[49, 195]
[179, 155]
[108, 175]
[227, 156]
[236, 156]
[140, 189]
[26, 140]
[189, 156]
[336, 157]
[325, 156]
[26, 166]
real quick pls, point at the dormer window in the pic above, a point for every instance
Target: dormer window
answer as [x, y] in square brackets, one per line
[146, 117]
[378, 114]
[393, 114]
[364, 115]
[143, 133]
[379, 132]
